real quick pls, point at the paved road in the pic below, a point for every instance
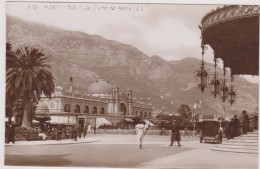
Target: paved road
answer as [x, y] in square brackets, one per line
[122, 151]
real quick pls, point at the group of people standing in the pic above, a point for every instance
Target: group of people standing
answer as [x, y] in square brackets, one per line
[141, 129]
[71, 132]
[232, 129]
[237, 126]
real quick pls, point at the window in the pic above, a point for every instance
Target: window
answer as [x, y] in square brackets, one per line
[122, 108]
[77, 109]
[86, 110]
[94, 110]
[102, 111]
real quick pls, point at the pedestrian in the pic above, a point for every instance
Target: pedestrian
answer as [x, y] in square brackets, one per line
[227, 130]
[10, 133]
[162, 131]
[80, 130]
[231, 128]
[52, 134]
[67, 132]
[59, 132]
[85, 130]
[219, 136]
[140, 131]
[185, 131]
[236, 125]
[26, 134]
[94, 128]
[75, 133]
[244, 122]
[175, 136]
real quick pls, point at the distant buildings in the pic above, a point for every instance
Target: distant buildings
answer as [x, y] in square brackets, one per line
[101, 104]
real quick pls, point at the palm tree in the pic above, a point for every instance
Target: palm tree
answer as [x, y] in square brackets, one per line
[27, 77]
[8, 100]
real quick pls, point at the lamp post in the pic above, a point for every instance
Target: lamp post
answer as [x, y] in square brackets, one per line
[224, 90]
[201, 73]
[68, 109]
[215, 83]
[231, 92]
[123, 116]
[170, 118]
[194, 119]
[149, 118]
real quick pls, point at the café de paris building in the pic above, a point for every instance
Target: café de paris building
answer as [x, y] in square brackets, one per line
[101, 104]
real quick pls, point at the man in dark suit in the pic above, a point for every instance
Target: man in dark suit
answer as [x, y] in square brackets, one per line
[175, 136]
[59, 132]
[80, 130]
[244, 122]
[75, 133]
[10, 133]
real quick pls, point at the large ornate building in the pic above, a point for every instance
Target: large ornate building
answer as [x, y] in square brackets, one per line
[101, 104]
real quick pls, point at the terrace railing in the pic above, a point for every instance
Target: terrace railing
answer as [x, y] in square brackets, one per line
[226, 13]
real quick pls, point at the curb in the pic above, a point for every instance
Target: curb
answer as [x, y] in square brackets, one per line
[53, 143]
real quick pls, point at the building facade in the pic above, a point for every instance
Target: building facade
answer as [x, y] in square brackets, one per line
[101, 104]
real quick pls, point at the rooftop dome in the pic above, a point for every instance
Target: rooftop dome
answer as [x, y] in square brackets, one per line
[100, 87]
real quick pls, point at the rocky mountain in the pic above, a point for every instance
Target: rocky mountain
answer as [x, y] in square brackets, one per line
[167, 84]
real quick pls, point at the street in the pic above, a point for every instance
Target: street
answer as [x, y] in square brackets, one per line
[122, 151]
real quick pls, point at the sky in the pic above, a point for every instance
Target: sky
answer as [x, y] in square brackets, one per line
[168, 30]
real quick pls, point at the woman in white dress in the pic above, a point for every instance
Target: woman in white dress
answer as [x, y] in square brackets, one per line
[140, 129]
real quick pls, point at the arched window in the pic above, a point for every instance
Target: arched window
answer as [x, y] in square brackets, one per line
[114, 92]
[94, 110]
[141, 114]
[102, 111]
[86, 110]
[77, 109]
[122, 108]
[150, 114]
[67, 107]
[145, 114]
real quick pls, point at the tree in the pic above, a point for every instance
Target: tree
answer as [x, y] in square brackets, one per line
[184, 111]
[27, 77]
[185, 114]
[9, 100]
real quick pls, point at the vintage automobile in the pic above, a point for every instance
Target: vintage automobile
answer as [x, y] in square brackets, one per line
[210, 131]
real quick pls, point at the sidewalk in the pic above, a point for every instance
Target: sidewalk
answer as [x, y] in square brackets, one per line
[204, 158]
[55, 142]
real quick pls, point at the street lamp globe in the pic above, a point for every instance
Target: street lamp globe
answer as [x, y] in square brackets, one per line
[231, 96]
[224, 92]
[215, 86]
[202, 78]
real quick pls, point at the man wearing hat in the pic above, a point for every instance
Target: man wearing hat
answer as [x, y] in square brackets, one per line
[244, 122]
[175, 134]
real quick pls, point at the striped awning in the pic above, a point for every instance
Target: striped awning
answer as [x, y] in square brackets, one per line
[102, 121]
[71, 120]
[129, 120]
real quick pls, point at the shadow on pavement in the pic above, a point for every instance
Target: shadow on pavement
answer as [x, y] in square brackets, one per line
[36, 160]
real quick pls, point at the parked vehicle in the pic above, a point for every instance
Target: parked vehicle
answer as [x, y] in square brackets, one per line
[210, 131]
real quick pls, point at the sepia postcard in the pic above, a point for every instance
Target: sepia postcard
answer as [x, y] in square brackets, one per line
[140, 84]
